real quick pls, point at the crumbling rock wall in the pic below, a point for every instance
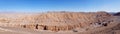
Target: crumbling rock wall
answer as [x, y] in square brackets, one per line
[69, 20]
[56, 21]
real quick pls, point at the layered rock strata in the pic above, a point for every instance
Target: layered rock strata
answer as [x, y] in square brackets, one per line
[54, 21]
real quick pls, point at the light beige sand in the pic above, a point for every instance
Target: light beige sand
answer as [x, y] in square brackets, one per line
[111, 28]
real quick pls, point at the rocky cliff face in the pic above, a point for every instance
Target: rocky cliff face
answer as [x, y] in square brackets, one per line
[55, 21]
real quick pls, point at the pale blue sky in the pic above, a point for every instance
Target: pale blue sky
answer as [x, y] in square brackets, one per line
[59, 5]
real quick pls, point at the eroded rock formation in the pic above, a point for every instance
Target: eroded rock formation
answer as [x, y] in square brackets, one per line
[55, 21]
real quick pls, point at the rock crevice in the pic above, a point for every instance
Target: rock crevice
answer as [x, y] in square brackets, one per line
[57, 21]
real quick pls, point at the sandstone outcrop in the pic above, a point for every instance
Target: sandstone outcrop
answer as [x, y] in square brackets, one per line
[56, 21]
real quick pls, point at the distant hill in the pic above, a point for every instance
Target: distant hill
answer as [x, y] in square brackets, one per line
[117, 14]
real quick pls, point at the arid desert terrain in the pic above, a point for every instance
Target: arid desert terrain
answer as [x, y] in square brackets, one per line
[60, 23]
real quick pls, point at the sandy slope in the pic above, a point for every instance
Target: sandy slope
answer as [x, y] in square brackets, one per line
[103, 30]
[112, 28]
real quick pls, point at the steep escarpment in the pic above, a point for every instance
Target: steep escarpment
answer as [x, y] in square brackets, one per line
[55, 21]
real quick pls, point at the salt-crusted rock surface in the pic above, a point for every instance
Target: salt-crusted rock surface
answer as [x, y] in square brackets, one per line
[91, 22]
